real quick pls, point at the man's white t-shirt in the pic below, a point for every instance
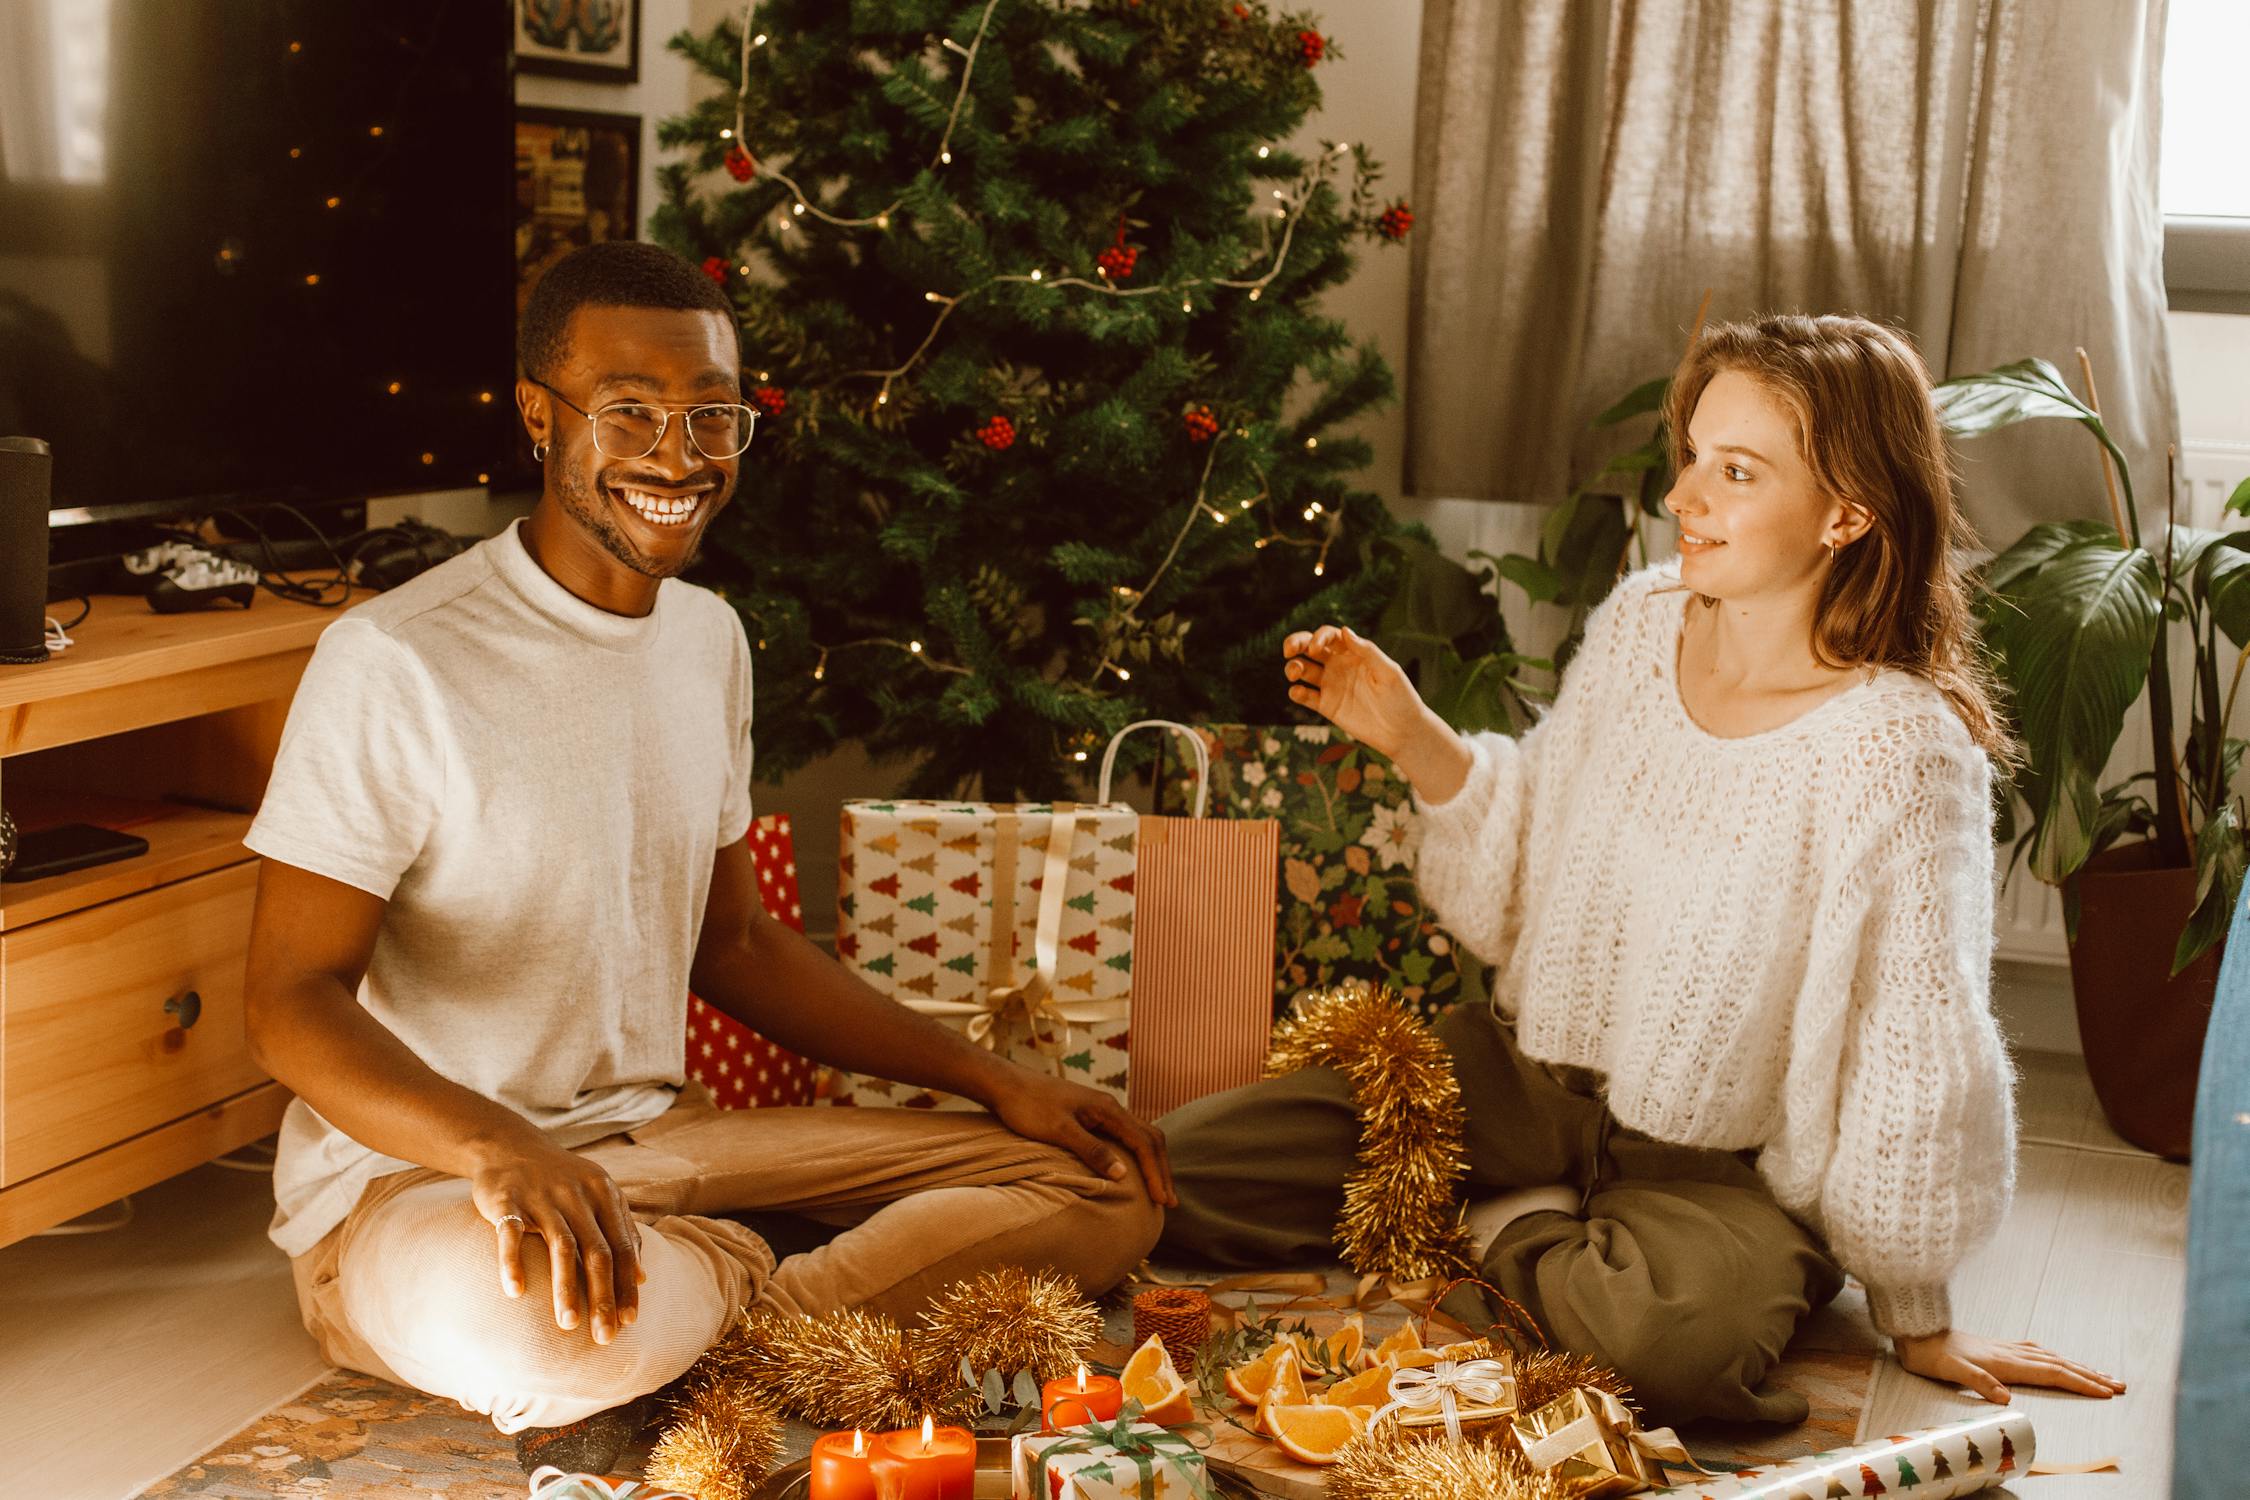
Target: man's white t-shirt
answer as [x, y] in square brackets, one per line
[538, 788]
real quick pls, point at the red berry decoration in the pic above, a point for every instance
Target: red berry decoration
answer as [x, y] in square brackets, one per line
[997, 434]
[1313, 45]
[1396, 221]
[770, 399]
[1201, 425]
[1118, 260]
[741, 165]
[716, 269]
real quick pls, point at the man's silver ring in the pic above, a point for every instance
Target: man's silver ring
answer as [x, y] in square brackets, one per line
[515, 1219]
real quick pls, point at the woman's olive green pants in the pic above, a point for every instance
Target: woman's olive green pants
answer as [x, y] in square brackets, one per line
[1679, 1270]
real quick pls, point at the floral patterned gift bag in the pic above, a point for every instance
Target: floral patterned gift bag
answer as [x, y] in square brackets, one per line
[1348, 906]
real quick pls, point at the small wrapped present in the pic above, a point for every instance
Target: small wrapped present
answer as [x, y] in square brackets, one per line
[1588, 1440]
[1120, 1460]
[1453, 1399]
[742, 1069]
[1010, 921]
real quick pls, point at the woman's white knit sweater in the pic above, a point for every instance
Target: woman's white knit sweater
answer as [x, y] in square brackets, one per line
[1781, 941]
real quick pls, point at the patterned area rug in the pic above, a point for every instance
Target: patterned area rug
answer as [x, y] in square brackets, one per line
[352, 1435]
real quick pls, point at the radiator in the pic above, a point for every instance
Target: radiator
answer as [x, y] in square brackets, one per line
[2028, 920]
[2207, 472]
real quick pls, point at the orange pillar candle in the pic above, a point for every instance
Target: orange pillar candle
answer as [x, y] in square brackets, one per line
[1075, 1402]
[937, 1463]
[843, 1467]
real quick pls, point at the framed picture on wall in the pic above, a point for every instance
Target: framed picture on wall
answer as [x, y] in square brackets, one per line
[578, 177]
[593, 39]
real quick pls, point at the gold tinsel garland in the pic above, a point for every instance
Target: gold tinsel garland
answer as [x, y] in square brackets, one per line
[845, 1369]
[1387, 1466]
[1401, 1217]
[1542, 1377]
[861, 1369]
[720, 1445]
[1006, 1320]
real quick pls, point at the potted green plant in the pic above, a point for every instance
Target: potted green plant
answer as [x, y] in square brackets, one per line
[2079, 617]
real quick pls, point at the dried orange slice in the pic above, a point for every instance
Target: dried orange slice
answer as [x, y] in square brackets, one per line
[1247, 1382]
[1150, 1379]
[1368, 1388]
[1316, 1434]
[1287, 1388]
[1405, 1341]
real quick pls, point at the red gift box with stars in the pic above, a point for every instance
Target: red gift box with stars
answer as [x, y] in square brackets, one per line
[741, 1068]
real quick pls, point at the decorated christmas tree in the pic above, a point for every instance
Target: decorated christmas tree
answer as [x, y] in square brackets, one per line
[1029, 295]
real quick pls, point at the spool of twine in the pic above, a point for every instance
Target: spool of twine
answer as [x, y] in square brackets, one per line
[1180, 1317]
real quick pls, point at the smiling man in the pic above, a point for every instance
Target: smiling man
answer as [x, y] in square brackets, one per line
[504, 836]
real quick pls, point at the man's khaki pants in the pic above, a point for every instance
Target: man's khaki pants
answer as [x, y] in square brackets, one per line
[1678, 1269]
[408, 1287]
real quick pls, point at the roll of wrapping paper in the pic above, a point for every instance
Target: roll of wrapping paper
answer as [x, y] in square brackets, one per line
[1936, 1463]
[1180, 1317]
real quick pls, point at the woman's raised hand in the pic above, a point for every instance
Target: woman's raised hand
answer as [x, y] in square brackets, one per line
[1350, 682]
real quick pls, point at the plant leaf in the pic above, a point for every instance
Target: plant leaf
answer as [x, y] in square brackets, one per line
[2073, 643]
[995, 1392]
[2239, 501]
[1645, 397]
[2222, 580]
[2021, 392]
[1027, 1389]
[1539, 582]
[2040, 546]
[2018, 392]
[2218, 883]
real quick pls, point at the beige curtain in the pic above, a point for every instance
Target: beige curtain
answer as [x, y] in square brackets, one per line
[1981, 173]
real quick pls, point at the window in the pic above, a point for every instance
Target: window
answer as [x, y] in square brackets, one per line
[2204, 178]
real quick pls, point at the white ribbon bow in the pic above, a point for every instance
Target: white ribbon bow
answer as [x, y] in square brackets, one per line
[1480, 1382]
[551, 1483]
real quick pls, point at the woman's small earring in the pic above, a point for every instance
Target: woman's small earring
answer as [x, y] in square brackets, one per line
[1831, 546]
[539, 456]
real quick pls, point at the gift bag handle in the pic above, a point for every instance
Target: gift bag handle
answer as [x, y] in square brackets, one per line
[1202, 758]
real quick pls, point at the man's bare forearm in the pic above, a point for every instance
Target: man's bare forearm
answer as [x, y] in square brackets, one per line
[320, 1043]
[778, 982]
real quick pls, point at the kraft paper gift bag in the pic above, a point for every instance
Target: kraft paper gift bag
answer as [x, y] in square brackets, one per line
[1203, 946]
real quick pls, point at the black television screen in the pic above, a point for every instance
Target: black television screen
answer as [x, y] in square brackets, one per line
[255, 250]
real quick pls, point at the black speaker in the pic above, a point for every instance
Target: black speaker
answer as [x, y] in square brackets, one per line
[26, 470]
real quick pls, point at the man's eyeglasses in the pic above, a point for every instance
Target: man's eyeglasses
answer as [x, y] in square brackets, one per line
[634, 429]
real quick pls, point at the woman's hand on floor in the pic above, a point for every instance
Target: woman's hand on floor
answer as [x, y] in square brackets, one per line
[580, 1215]
[1075, 1117]
[1985, 1365]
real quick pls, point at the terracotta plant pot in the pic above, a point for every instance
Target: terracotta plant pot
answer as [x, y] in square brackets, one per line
[2142, 1027]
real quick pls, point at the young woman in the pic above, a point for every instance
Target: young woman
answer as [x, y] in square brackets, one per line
[1737, 886]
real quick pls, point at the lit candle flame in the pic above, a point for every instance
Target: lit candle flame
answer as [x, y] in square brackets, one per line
[929, 1432]
[859, 1443]
[1082, 1377]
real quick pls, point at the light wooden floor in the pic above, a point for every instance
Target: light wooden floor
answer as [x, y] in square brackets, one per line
[124, 1356]
[2090, 1262]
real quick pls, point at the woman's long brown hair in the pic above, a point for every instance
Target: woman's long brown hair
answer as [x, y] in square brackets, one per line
[1869, 432]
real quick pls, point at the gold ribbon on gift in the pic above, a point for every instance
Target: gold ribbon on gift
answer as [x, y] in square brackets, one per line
[1029, 1000]
[1445, 1386]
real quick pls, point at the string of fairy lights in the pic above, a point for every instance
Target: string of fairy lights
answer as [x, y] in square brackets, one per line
[1290, 206]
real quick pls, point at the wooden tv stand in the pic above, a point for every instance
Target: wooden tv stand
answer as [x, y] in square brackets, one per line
[122, 1054]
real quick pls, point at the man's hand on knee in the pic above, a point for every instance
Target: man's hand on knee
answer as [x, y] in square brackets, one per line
[579, 1212]
[1075, 1117]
